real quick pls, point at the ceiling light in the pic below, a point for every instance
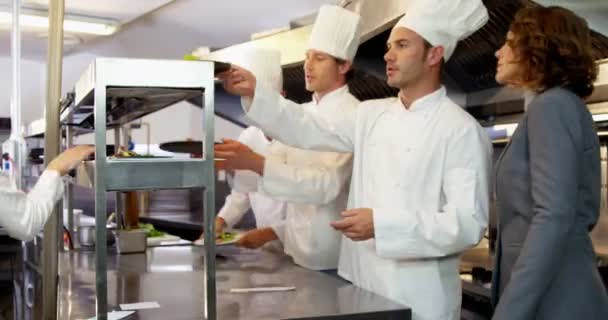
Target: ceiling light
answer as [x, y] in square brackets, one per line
[71, 23]
[510, 128]
[600, 117]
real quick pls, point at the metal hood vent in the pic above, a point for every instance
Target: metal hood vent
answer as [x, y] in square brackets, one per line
[470, 70]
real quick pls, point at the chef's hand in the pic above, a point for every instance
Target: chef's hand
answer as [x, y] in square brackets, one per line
[238, 156]
[70, 159]
[238, 81]
[220, 224]
[357, 224]
[256, 238]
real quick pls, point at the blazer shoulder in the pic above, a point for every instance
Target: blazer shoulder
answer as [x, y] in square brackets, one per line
[558, 101]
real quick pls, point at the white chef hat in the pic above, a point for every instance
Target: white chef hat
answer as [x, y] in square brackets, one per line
[444, 22]
[264, 63]
[336, 32]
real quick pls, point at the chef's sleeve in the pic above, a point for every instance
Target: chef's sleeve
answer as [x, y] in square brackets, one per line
[24, 215]
[235, 207]
[292, 124]
[318, 184]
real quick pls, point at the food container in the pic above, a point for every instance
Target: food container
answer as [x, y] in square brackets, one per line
[131, 241]
[86, 235]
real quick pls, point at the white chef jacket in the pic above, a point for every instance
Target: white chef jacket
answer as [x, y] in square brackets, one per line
[315, 184]
[244, 196]
[24, 215]
[424, 171]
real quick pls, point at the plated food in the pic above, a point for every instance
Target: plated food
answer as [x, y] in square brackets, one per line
[225, 238]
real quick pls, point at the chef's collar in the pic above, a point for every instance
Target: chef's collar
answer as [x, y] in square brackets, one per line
[426, 103]
[331, 95]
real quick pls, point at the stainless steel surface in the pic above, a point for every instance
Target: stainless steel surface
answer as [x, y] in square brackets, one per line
[68, 197]
[120, 205]
[208, 173]
[173, 277]
[122, 90]
[101, 277]
[87, 234]
[147, 173]
[132, 241]
[136, 94]
[51, 150]
[376, 16]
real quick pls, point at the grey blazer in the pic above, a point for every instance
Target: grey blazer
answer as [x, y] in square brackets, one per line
[548, 195]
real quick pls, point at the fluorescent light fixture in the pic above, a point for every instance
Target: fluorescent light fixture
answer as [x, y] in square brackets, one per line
[71, 23]
[600, 117]
[510, 127]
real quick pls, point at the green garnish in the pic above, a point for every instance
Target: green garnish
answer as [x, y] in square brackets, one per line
[226, 236]
[151, 232]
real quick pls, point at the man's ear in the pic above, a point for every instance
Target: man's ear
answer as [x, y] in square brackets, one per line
[434, 55]
[344, 67]
[283, 93]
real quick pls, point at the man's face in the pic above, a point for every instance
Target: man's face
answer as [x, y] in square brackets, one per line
[321, 71]
[406, 58]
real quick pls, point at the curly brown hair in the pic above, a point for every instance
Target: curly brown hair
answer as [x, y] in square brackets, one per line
[553, 47]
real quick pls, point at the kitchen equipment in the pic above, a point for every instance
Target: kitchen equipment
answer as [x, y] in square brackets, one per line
[86, 235]
[192, 147]
[131, 241]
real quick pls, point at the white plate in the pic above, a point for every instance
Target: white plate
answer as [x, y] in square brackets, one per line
[156, 241]
[201, 242]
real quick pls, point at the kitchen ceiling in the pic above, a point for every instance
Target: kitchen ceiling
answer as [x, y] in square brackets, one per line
[180, 25]
[34, 41]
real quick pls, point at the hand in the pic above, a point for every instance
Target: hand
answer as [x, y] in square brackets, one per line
[220, 224]
[238, 156]
[239, 81]
[256, 238]
[358, 224]
[70, 159]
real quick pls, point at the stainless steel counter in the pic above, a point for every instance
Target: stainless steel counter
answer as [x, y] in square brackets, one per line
[173, 277]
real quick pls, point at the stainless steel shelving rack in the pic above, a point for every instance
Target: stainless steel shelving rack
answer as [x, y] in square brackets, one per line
[118, 91]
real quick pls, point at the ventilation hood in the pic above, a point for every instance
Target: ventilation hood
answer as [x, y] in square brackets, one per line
[470, 71]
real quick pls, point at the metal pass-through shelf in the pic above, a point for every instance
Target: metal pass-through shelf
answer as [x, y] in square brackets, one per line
[118, 91]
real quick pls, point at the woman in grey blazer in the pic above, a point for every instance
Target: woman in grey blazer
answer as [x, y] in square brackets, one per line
[548, 178]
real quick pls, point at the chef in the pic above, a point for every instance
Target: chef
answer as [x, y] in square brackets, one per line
[314, 183]
[269, 213]
[24, 215]
[419, 192]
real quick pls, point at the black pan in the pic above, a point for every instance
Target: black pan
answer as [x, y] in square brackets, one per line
[192, 147]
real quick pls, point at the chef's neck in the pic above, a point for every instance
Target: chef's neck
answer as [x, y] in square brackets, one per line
[319, 94]
[415, 91]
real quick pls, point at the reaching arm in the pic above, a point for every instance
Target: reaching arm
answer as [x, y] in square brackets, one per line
[24, 215]
[288, 122]
[235, 207]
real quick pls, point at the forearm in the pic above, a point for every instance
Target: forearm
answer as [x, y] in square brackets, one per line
[286, 120]
[24, 215]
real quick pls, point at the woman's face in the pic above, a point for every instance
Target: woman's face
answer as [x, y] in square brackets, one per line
[508, 70]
